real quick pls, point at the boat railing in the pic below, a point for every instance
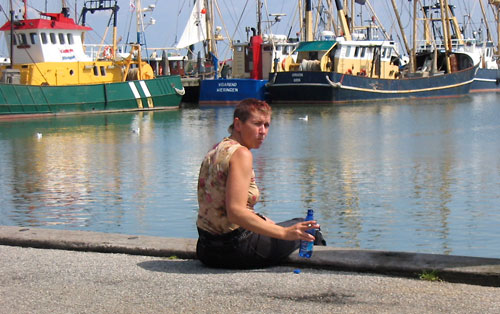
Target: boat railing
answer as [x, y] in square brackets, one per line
[456, 44]
[99, 51]
[186, 67]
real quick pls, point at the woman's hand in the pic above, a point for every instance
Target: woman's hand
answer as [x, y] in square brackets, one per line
[298, 231]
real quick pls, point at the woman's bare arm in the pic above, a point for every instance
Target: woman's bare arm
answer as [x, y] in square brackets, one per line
[238, 181]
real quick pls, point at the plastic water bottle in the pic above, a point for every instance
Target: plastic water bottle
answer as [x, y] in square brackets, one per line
[306, 247]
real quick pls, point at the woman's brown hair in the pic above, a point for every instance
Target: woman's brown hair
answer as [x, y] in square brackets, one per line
[245, 108]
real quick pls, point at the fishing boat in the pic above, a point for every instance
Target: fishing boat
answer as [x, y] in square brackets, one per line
[481, 50]
[358, 67]
[247, 73]
[50, 74]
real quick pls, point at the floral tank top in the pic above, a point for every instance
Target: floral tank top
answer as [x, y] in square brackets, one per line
[212, 215]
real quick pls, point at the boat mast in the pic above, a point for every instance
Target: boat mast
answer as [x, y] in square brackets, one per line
[401, 27]
[211, 47]
[331, 25]
[301, 22]
[488, 33]
[318, 17]
[351, 26]
[138, 18]
[11, 36]
[309, 34]
[496, 3]
[458, 32]
[25, 14]
[413, 59]
[259, 17]
[446, 34]
[343, 21]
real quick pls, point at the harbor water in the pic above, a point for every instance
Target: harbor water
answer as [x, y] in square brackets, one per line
[416, 176]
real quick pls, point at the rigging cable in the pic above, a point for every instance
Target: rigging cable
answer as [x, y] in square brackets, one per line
[179, 10]
[239, 20]
[225, 28]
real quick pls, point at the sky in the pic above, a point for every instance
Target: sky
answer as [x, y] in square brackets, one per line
[170, 17]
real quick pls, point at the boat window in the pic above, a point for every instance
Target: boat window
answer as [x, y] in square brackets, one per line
[268, 48]
[363, 50]
[356, 52]
[53, 38]
[383, 55]
[61, 38]
[248, 62]
[70, 39]
[369, 52]
[348, 51]
[22, 39]
[44, 38]
[33, 37]
[96, 71]
[103, 71]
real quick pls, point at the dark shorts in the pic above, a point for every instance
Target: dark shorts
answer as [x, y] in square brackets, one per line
[241, 248]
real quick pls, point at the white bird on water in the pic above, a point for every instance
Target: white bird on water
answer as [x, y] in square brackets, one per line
[137, 130]
[305, 118]
[38, 135]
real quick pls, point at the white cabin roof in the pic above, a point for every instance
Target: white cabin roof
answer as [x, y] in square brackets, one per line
[55, 38]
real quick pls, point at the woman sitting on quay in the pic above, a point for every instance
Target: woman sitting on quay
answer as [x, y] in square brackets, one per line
[231, 233]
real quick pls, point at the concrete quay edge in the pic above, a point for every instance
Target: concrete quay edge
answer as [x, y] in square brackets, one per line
[450, 268]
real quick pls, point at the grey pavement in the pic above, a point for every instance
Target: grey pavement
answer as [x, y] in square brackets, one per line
[57, 271]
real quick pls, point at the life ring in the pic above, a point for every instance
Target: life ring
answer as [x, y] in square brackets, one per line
[362, 72]
[349, 71]
[180, 92]
[108, 52]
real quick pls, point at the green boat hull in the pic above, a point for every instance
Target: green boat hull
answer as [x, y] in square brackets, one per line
[161, 93]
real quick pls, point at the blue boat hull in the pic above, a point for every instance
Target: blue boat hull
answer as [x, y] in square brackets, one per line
[230, 91]
[331, 87]
[486, 80]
